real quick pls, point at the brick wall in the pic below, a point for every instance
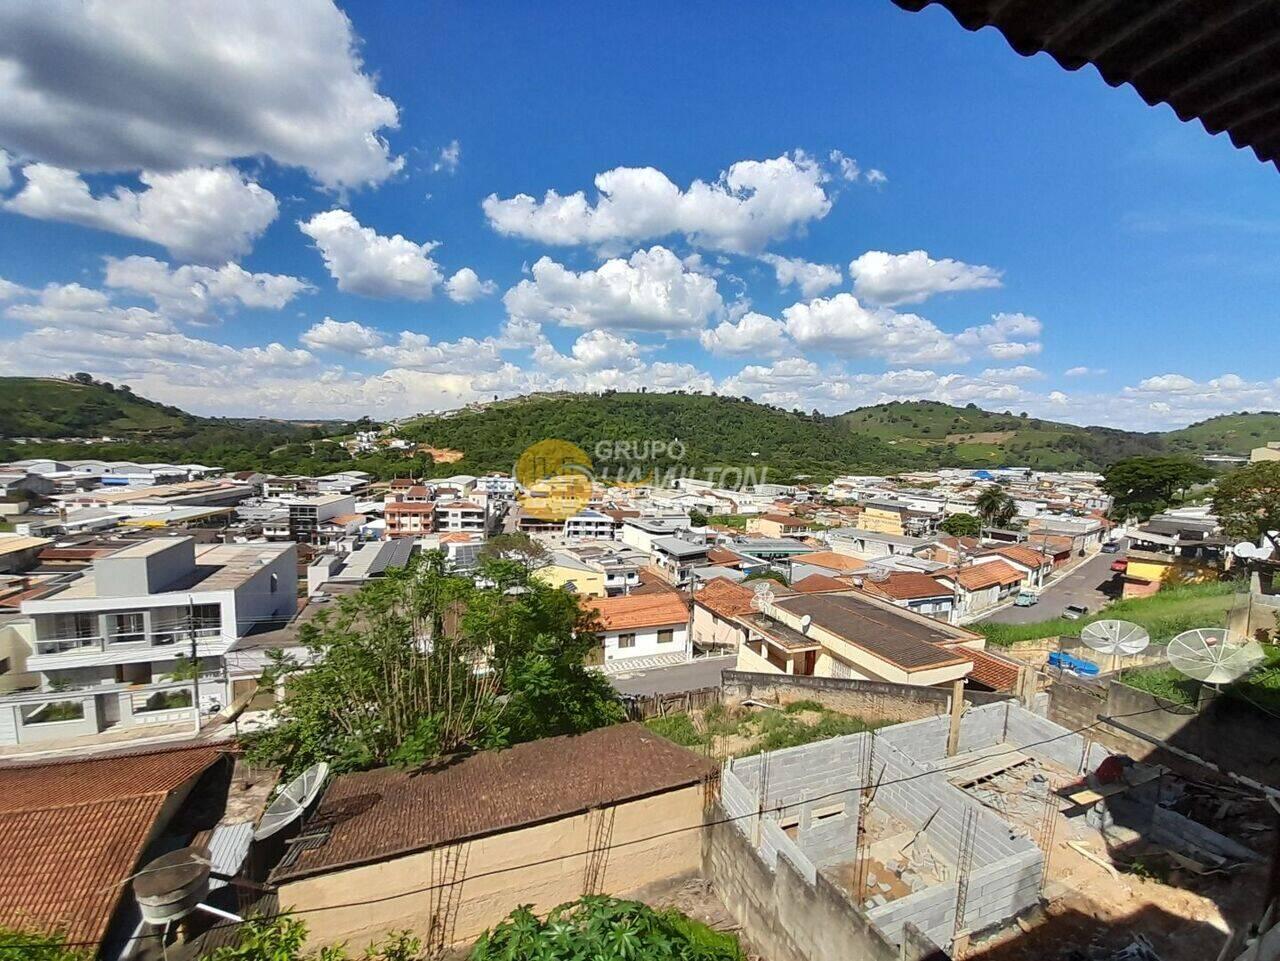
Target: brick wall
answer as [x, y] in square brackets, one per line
[874, 701]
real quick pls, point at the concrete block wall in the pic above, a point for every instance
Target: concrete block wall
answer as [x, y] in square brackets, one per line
[926, 740]
[1043, 740]
[996, 892]
[799, 774]
[788, 916]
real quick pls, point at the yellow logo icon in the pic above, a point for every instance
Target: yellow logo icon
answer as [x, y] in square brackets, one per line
[553, 479]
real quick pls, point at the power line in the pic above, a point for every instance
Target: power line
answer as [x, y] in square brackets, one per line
[553, 859]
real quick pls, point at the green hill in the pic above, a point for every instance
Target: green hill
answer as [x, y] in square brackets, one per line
[964, 436]
[49, 407]
[714, 431]
[1227, 433]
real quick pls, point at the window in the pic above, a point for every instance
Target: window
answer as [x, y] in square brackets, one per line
[626, 640]
[128, 627]
[666, 635]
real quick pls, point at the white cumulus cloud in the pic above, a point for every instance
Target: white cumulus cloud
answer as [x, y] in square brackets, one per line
[652, 290]
[751, 203]
[1008, 337]
[194, 291]
[844, 325]
[103, 85]
[209, 215]
[365, 262]
[751, 335]
[913, 277]
[341, 336]
[466, 286]
[811, 279]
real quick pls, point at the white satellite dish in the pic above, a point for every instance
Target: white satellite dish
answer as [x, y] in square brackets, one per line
[292, 801]
[1115, 637]
[1213, 655]
[878, 574]
[1244, 549]
[762, 598]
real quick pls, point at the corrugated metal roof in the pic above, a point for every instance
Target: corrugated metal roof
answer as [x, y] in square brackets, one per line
[228, 847]
[1210, 60]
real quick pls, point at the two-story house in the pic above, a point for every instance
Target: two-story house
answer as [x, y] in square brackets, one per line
[140, 638]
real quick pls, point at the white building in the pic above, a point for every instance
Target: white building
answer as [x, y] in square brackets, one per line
[590, 525]
[461, 516]
[642, 625]
[103, 648]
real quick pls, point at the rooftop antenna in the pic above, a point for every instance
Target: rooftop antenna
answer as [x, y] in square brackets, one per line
[1117, 638]
[1213, 655]
[762, 598]
[292, 801]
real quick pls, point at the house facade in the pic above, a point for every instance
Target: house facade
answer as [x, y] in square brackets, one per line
[140, 638]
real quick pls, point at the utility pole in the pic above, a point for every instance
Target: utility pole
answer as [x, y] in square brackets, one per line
[957, 710]
[195, 658]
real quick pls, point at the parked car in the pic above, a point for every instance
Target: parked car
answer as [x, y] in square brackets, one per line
[1110, 547]
[1120, 566]
[1073, 612]
[1026, 599]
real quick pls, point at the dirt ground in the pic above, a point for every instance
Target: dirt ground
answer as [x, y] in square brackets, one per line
[1094, 910]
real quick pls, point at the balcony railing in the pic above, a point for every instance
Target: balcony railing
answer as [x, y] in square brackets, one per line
[157, 638]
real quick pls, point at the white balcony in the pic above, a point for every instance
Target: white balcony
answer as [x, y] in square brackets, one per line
[54, 653]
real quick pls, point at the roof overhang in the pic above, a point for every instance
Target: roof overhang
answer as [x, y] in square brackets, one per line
[1210, 60]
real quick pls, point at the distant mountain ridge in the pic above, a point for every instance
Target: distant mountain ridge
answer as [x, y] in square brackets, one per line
[713, 431]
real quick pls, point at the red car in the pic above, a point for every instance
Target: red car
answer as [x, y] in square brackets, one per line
[1120, 566]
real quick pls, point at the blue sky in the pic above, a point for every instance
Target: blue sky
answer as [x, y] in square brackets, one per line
[819, 208]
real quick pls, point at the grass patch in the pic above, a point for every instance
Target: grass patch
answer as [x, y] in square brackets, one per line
[678, 728]
[1164, 614]
[738, 521]
[1259, 688]
[722, 732]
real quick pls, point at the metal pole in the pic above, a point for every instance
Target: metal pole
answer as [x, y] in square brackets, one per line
[195, 657]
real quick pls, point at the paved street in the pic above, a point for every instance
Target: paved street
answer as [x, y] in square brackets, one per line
[1082, 586]
[669, 680]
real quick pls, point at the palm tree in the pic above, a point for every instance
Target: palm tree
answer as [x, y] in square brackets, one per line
[995, 507]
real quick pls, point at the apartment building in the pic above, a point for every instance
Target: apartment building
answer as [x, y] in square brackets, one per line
[410, 519]
[308, 514]
[590, 525]
[461, 515]
[676, 559]
[777, 525]
[103, 648]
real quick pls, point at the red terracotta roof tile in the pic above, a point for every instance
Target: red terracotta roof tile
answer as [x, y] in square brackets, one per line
[906, 586]
[995, 672]
[72, 831]
[642, 610]
[977, 577]
[818, 583]
[724, 598]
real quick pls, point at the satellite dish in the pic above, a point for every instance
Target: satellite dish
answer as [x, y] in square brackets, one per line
[1213, 655]
[1115, 637]
[762, 598]
[1244, 549]
[292, 801]
[805, 622]
[878, 573]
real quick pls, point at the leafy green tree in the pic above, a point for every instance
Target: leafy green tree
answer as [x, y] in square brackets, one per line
[17, 944]
[424, 663]
[996, 507]
[516, 546]
[1142, 486]
[1247, 502]
[768, 574]
[698, 519]
[604, 929]
[961, 525]
[284, 938]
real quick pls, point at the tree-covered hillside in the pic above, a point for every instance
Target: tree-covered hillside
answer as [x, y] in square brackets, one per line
[1227, 433]
[52, 407]
[714, 431]
[970, 436]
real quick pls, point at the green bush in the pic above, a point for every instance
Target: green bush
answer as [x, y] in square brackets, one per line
[604, 929]
[676, 727]
[795, 707]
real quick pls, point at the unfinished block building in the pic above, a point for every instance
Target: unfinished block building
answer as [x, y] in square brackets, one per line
[929, 849]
